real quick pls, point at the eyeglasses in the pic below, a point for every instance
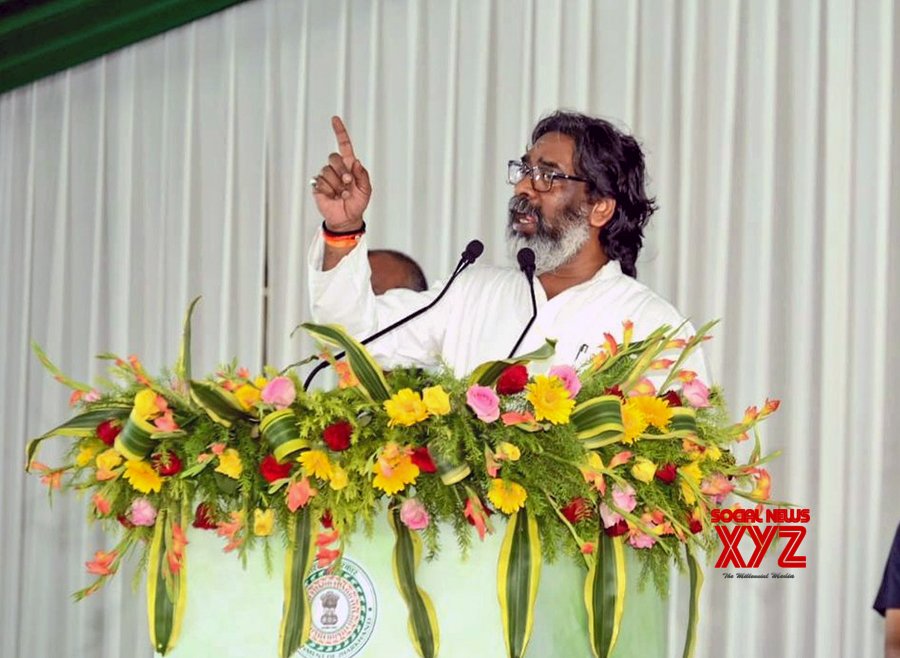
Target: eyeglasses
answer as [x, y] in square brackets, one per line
[541, 180]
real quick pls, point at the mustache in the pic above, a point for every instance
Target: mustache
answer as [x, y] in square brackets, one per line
[522, 206]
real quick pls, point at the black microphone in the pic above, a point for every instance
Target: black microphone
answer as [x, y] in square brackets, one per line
[526, 264]
[469, 255]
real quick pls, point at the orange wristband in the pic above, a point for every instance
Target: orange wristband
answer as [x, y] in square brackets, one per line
[341, 242]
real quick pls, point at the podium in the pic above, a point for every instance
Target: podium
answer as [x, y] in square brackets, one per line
[233, 612]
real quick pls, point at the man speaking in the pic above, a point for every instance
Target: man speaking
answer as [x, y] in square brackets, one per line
[580, 206]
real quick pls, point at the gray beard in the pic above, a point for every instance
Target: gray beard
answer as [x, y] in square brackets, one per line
[552, 253]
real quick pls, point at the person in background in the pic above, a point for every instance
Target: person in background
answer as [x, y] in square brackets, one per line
[393, 269]
[887, 603]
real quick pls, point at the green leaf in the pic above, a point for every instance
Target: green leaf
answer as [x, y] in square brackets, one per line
[296, 611]
[487, 373]
[166, 592]
[598, 420]
[696, 573]
[220, 405]
[518, 577]
[604, 594]
[183, 366]
[82, 425]
[56, 372]
[422, 625]
[371, 378]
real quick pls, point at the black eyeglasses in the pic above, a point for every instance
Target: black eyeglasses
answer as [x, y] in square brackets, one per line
[541, 180]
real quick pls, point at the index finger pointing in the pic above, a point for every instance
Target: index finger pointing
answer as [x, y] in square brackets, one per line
[343, 139]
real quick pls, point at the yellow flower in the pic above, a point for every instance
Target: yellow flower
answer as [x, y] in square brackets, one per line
[263, 522]
[394, 469]
[436, 400]
[315, 462]
[108, 460]
[713, 453]
[339, 478]
[508, 451]
[508, 497]
[405, 408]
[86, 455]
[142, 476]
[634, 421]
[247, 395]
[145, 404]
[230, 464]
[643, 470]
[260, 383]
[550, 399]
[656, 411]
[689, 474]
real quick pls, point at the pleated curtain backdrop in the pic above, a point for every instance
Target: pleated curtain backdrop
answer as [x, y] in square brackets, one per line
[178, 167]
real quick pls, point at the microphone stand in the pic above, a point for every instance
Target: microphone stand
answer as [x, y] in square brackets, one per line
[471, 253]
[526, 264]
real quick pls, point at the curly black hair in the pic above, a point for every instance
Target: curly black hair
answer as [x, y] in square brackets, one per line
[614, 163]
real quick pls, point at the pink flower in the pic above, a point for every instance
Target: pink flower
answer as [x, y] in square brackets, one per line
[279, 392]
[217, 448]
[609, 517]
[142, 512]
[484, 402]
[696, 393]
[414, 515]
[640, 539]
[624, 497]
[717, 486]
[91, 396]
[569, 378]
[166, 423]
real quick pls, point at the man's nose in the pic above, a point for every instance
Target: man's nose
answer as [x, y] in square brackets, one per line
[524, 187]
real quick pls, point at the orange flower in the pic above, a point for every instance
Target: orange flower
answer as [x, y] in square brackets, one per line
[299, 493]
[230, 530]
[175, 554]
[102, 505]
[763, 487]
[346, 378]
[102, 564]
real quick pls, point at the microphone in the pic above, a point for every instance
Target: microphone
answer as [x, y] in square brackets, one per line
[526, 264]
[469, 255]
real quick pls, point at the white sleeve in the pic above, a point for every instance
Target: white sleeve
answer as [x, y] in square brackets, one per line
[344, 296]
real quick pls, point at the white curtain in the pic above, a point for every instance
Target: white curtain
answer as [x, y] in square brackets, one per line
[178, 167]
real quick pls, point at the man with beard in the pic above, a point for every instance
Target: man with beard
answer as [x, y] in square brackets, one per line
[580, 204]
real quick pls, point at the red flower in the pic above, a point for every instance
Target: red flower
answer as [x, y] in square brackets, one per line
[124, 521]
[422, 458]
[695, 526]
[673, 399]
[512, 380]
[614, 390]
[618, 529]
[166, 463]
[203, 519]
[107, 431]
[327, 521]
[271, 470]
[578, 510]
[337, 435]
[666, 473]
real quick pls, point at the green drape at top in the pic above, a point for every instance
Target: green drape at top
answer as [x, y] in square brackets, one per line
[40, 37]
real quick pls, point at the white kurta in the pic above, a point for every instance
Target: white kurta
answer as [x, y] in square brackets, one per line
[483, 313]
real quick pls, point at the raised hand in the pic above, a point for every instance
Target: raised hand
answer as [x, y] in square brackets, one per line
[342, 189]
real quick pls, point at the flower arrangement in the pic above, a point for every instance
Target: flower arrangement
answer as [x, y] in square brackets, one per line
[587, 462]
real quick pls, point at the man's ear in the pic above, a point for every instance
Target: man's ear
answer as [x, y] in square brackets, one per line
[602, 211]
